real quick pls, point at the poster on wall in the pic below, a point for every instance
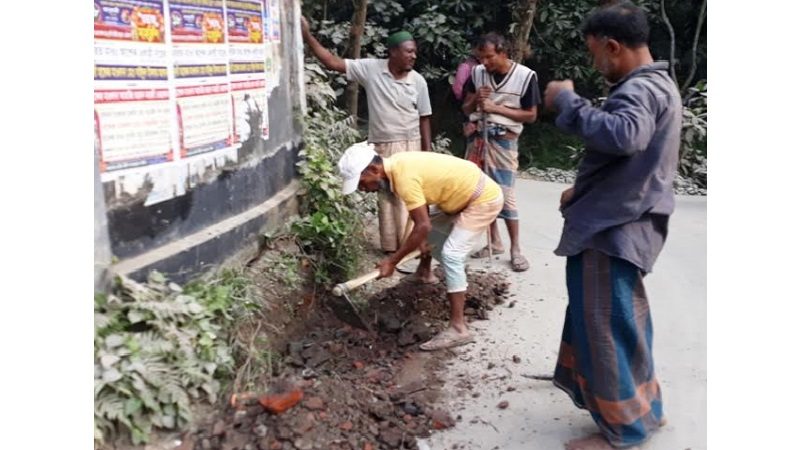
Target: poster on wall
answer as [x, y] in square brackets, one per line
[249, 100]
[132, 112]
[272, 36]
[267, 5]
[247, 68]
[268, 66]
[277, 62]
[200, 61]
[275, 15]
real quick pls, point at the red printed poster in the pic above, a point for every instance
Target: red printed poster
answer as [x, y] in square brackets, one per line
[203, 113]
[200, 62]
[247, 68]
[275, 15]
[245, 21]
[131, 96]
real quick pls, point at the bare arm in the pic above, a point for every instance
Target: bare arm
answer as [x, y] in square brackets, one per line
[328, 59]
[418, 236]
[425, 132]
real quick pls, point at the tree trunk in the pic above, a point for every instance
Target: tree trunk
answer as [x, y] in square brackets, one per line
[700, 19]
[354, 45]
[671, 43]
[524, 12]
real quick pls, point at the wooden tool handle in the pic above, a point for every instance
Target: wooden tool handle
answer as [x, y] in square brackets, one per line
[341, 288]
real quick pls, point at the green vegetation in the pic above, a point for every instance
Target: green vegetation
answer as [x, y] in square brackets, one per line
[159, 347]
[542, 145]
[694, 137]
[329, 229]
[443, 29]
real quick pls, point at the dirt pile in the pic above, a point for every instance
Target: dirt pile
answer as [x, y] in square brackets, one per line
[344, 388]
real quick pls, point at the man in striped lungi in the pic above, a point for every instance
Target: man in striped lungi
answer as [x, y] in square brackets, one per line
[502, 96]
[615, 225]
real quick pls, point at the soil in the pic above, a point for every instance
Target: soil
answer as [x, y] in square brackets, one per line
[360, 390]
[357, 390]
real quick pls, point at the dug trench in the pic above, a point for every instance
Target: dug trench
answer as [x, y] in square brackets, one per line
[339, 387]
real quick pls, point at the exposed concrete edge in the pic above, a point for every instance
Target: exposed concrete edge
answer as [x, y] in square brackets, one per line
[173, 249]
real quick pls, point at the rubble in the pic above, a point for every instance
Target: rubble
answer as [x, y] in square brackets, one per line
[341, 388]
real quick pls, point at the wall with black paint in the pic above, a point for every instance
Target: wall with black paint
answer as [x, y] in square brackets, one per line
[263, 168]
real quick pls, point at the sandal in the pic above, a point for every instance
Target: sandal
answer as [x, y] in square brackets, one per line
[447, 339]
[484, 252]
[519, 263]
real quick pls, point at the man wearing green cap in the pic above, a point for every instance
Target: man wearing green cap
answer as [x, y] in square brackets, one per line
[399, 113]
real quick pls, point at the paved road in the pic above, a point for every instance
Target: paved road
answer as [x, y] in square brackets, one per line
[540, 416]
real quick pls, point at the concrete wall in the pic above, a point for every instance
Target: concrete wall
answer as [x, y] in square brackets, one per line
[184, 217]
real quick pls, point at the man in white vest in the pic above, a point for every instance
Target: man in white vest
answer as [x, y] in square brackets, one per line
[502, 95]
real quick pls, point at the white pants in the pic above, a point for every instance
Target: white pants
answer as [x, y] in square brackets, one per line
[455, 236]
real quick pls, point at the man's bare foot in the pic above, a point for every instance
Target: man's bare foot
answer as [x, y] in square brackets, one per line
[592, 442]
[428, 278]
[598, 442]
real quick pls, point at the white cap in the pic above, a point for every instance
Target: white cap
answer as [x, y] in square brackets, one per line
[354, 160]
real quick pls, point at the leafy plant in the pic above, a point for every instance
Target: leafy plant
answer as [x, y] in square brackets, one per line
[329, 228]
[160, 347]
[558, 43]
[287, 269]
[441, 29]
[693, 154]
[542, 145]
[441, 144]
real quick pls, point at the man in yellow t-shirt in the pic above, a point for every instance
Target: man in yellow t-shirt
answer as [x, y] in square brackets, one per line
[467, 202]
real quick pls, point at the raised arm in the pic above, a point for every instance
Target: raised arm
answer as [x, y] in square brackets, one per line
[623, 127]
[328, 59]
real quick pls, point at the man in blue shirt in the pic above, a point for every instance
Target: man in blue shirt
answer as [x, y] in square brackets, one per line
[615, 225]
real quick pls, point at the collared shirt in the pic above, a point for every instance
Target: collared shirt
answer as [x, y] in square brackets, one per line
[623, 188]
[427, 178]
[395, 106]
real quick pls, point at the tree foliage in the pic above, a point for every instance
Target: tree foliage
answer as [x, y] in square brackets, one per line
[329, 228]
[693, 154]
[444, 28]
